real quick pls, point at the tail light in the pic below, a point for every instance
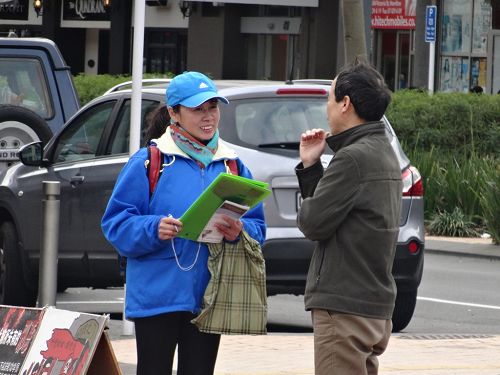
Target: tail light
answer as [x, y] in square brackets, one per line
[413, 185]
[413, 247]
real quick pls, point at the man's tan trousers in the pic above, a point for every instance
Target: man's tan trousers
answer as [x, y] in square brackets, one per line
[348, 344]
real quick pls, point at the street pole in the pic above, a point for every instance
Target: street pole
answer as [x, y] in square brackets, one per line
[432, 63]
[430, 37]
[354, 30]
[47, 278]
[135, 112]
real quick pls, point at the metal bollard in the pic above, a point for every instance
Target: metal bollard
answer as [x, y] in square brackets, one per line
[128, 327]
[47, 278]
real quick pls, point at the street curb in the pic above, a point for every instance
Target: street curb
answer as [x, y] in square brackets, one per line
[489, 251]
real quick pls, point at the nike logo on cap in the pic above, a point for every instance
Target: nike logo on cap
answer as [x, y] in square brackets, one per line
[203, 85]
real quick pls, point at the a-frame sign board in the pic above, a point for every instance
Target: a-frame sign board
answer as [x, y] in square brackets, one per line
[50, 341]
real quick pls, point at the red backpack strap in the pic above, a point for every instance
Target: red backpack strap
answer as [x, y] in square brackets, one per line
[232, 165]
[154, 167]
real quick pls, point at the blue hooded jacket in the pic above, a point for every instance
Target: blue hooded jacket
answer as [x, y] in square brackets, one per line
[155, 283]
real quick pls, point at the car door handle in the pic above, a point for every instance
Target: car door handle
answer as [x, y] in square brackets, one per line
[77, 180]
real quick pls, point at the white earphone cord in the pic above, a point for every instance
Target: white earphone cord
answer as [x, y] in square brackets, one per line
[188, 268]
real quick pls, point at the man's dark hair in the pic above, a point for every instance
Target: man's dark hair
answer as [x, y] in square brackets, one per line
[366, 89]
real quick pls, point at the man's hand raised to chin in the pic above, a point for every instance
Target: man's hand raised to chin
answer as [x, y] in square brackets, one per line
[312, 146]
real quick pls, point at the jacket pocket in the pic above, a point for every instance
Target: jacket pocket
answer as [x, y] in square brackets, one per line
[167, 250]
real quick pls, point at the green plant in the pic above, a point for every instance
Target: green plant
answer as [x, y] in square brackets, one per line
[92, 86]
[489, 198]
[455, 182]
[454, 224]
[459, 123]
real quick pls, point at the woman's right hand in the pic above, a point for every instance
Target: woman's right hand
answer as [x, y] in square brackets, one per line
[168, 228]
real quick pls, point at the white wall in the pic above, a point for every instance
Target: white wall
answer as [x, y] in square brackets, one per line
[169, 16]
[91, 50]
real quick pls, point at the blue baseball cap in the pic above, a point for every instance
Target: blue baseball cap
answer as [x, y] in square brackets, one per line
[191, 89]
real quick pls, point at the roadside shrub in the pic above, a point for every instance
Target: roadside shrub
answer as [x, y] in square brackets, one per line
[92, 86]
[453, 138]
[454, 224]
[450, 122]
[470, 184]
[489, 198]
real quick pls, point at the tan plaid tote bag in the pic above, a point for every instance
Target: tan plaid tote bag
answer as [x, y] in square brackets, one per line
[235, 301]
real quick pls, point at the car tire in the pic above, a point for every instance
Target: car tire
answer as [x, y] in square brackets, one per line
[20, 126]
[403, 310]
[13, 288]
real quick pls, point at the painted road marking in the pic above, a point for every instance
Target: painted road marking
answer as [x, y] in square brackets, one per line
[459, 303]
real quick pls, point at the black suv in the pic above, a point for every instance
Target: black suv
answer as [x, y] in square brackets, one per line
[263, 123]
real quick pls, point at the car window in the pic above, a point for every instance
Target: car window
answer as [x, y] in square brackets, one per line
[23, 83]
[280, 120]
[120, 137]
[80, 139]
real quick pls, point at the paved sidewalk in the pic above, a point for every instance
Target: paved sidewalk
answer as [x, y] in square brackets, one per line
[292, 354]
[407, 354]
[462, 246]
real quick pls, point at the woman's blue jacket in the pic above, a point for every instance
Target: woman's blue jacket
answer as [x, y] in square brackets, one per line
[154, 282]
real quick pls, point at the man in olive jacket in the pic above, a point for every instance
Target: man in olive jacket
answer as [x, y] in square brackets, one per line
[351, 209]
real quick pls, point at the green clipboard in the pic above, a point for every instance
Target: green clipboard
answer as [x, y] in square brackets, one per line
[226, 186]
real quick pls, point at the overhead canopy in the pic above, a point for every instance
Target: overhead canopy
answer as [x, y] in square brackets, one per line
[290, 3]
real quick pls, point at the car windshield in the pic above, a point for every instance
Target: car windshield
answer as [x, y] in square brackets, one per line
[276, 122]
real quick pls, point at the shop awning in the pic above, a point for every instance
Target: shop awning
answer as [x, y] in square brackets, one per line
[291, 3]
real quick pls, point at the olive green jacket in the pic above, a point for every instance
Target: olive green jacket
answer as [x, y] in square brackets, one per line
[352, 210]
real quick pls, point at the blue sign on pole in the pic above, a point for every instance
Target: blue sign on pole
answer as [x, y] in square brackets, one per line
[430, 23]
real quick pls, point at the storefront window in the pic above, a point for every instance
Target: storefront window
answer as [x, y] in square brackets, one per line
[478, 72]
[457, 21]
[165, 51]
[482, 24]
[464, 29]
[455, 74]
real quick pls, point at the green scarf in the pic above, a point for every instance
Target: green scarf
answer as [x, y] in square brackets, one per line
[203, 154]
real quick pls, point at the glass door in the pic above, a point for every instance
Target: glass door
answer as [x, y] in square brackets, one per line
[393, 50]
[402, 73]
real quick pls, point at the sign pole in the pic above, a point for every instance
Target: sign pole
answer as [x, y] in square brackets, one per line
[430, 37]
[432, 64]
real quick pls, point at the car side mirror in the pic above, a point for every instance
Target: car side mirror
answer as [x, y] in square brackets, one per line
[31, 154]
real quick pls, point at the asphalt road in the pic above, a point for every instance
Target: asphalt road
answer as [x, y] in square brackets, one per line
[458, 295]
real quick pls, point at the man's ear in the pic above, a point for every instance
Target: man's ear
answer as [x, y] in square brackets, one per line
[346, 103]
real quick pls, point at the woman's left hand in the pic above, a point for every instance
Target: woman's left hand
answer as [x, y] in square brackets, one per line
[231, 229]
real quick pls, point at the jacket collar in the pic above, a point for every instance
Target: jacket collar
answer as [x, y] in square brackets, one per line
[337, 141]
[167, 146]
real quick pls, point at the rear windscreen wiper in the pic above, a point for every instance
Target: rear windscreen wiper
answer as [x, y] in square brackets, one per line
[285, 145]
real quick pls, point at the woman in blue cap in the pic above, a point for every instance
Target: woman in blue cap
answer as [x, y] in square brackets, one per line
[166, 275]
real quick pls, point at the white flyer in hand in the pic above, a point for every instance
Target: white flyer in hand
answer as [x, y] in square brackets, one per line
[227, 208]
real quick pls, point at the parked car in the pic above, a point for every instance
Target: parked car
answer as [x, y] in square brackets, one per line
[263, 123]
[37, 94]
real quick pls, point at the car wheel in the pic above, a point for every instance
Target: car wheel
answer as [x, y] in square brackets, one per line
[13, 289]
[19, 126]
[403, 310]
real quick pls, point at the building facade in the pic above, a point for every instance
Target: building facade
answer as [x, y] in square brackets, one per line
[465, 53]
[271, 39]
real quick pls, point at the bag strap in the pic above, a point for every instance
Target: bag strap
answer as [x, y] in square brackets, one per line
[154, 166]
[232, 166]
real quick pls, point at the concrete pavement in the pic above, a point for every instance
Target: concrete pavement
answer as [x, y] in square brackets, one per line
[292, 354]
